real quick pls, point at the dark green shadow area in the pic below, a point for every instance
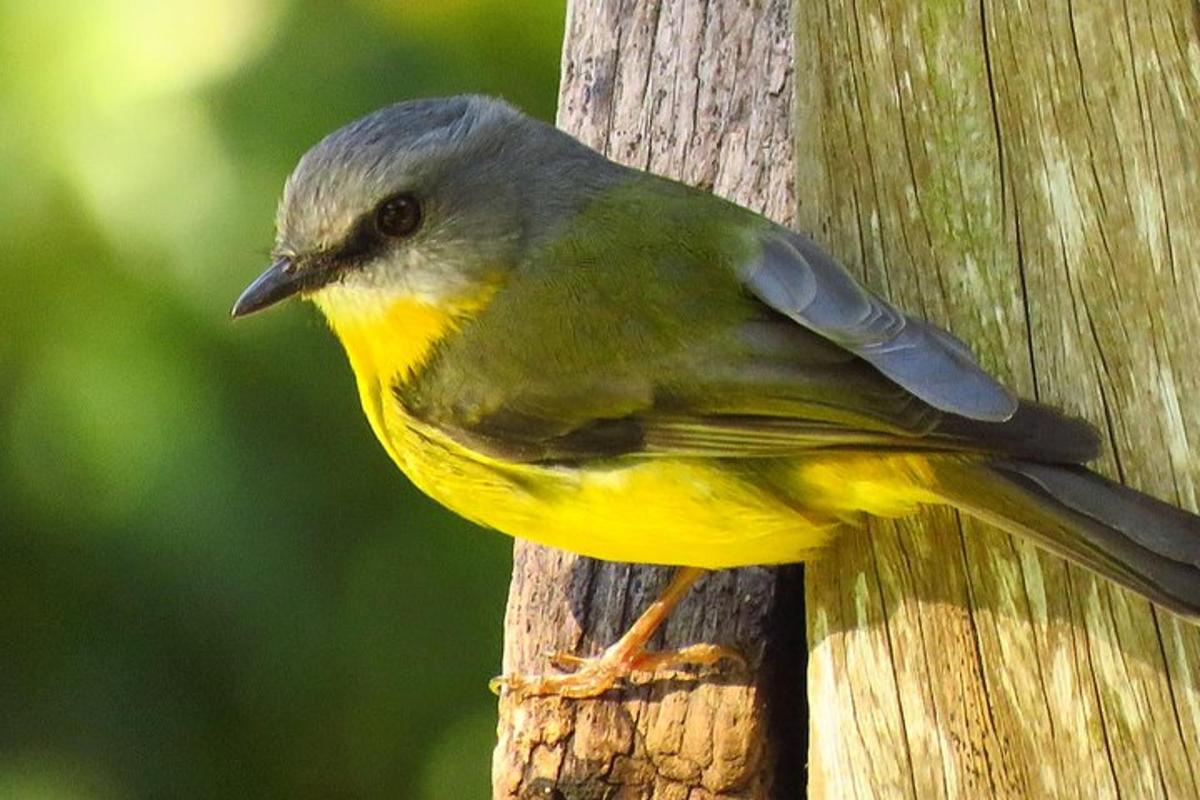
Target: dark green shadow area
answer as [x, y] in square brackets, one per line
[213, 583]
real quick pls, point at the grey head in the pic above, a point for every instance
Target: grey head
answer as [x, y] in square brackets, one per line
[426, 198]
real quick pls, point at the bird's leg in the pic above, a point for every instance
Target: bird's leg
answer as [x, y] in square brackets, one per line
[627, 658]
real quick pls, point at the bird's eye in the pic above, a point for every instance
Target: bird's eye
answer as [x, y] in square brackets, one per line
[398, 216]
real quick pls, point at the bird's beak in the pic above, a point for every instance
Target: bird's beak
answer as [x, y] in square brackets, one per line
[279, 282]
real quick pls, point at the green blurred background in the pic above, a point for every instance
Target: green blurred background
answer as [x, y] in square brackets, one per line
[212, 581]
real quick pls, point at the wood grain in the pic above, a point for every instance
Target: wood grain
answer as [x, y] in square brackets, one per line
[1028, 175]
[699, 91]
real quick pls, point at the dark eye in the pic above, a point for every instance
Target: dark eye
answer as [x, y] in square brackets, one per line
[398, 216]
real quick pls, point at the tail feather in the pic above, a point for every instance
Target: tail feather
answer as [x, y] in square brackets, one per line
[1141, 543]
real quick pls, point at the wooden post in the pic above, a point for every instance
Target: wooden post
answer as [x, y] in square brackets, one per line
[1028, 174]
[700, 91]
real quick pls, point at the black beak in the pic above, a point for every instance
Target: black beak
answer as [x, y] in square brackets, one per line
[279, 282]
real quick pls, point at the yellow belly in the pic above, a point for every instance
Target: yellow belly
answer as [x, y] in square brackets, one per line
[661, 511]
[687, 512]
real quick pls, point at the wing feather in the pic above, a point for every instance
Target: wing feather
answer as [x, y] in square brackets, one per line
[795, 277]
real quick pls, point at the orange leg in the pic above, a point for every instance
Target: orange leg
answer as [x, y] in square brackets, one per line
[627, 658]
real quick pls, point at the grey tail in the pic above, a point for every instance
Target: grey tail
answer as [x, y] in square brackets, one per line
[1144, 544]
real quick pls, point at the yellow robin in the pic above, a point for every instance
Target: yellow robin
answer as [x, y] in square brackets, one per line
[616, 364]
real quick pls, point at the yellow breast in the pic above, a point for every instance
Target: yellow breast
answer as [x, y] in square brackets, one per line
[386, 344]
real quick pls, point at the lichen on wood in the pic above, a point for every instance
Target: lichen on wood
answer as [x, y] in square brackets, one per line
[1028, 175]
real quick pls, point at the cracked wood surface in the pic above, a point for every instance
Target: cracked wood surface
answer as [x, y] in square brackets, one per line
[699, 91]
[1027, 174]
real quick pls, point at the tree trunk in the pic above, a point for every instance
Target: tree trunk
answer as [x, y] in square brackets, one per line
[1028, 175]
[700, 91]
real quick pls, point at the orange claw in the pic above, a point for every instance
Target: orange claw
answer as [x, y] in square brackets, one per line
[627, 659]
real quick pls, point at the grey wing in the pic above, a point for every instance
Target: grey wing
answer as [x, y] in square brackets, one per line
[795, 277]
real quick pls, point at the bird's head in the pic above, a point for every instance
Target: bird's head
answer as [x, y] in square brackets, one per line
[431, 201]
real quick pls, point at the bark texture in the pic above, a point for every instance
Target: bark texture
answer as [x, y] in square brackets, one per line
[700, 91]
[1027, 174]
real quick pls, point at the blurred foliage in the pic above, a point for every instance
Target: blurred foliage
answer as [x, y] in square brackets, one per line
[213, 583]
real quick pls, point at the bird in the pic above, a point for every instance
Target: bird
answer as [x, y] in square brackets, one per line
[610, 362]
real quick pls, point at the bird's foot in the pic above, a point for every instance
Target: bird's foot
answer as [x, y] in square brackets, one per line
[591, 677]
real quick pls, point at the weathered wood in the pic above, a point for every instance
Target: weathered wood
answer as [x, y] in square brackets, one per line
[700, 91]
[1028, 174]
